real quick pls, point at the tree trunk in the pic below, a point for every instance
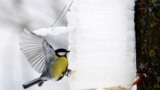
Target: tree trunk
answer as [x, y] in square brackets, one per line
[102, 44]
[147, 19]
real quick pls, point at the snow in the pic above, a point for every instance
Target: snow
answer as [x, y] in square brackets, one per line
[103, 47]
[101, 33]
[15, 15]
[134, 87]
[52, 31]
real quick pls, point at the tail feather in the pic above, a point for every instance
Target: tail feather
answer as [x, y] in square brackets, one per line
[31, 83]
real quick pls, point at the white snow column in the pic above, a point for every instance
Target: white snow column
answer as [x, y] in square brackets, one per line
[102, 44]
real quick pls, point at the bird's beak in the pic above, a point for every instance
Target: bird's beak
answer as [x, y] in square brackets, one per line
[68, 51]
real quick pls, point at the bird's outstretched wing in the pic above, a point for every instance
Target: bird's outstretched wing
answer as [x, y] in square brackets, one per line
[32, 46]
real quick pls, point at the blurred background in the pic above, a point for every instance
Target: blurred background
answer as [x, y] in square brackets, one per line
[15, 15]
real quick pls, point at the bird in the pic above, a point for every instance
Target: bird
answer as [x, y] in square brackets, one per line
[51, 63]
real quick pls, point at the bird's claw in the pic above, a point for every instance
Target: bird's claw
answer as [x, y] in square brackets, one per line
[68, 72]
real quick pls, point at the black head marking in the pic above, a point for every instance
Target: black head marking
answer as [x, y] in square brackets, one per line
[61, 52]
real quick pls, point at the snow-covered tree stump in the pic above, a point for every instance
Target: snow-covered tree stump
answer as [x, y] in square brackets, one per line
[102, 44]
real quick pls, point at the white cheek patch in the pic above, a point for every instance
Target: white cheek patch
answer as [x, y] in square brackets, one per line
[61, 53]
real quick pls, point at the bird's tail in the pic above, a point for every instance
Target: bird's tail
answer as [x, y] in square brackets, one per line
[31, 83]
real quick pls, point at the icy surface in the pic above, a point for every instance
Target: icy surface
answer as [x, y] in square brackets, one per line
[102, 44]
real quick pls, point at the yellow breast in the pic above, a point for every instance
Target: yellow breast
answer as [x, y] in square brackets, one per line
[58, 67]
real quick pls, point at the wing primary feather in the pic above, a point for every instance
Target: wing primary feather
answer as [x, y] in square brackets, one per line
[33, 51]
[42, 66]
[35, 59]
[32, 46]
[35, 64]
[30, 55]
[38, 64]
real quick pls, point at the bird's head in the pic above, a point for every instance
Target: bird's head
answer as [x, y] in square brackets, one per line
[61, 52]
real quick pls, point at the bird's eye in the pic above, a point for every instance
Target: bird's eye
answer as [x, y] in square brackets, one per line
[61, 53]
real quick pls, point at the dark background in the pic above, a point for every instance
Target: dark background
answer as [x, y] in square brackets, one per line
[147, 25]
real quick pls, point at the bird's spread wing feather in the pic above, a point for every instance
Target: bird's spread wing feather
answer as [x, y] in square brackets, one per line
[33, 48]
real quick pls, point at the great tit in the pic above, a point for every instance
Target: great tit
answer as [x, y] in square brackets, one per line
[53, 64]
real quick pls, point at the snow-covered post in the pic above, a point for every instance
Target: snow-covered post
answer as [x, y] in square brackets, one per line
[102, 44]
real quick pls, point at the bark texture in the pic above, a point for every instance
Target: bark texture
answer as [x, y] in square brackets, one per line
[147, 25]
